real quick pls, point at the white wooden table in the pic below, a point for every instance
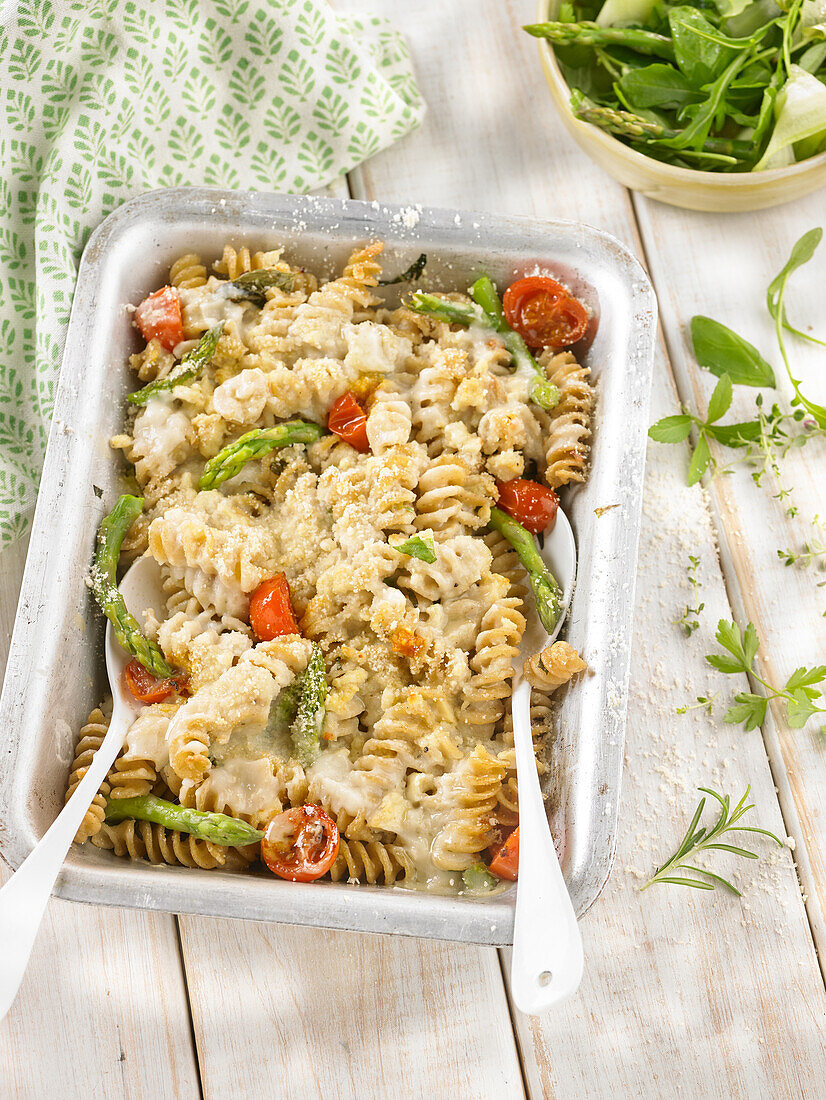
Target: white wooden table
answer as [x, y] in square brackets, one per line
[685, 993]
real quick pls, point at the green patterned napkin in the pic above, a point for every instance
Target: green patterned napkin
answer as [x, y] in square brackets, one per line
[103, 99]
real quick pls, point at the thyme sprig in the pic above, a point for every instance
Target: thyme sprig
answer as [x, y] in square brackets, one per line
[689, 620]
[812, 550]
[699, 839]
[704, 702]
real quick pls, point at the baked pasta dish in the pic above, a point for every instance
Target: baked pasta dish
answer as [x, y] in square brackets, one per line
[343, 501]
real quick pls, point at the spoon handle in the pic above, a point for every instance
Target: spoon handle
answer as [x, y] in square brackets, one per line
[547, 962]
[24, 897]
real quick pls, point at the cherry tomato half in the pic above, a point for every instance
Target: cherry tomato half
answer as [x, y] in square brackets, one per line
[148, 688]
[505, 860]
[300, 844]
[271, 610]
[159, 317]
[348, 421]
[543, 313]
[531, 504]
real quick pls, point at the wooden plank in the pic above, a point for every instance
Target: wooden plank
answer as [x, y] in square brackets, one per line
[707, 1009]
[103, 1008]
[685, 992]
[329, 1014]
[785, 603]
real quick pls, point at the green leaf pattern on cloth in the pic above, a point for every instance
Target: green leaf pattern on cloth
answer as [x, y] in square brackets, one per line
[102, 100]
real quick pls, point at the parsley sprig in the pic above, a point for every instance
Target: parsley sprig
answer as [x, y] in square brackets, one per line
[699, 839]
[799, 692]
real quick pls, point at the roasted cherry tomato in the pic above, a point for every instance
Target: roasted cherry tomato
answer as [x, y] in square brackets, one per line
[531, 504]
[159, 317]
[148, 688]
[348, 421]
[300, 844]
[505, 860]
[271, 610]
[543, 313]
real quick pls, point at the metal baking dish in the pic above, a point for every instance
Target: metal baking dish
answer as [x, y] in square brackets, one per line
[56, 670]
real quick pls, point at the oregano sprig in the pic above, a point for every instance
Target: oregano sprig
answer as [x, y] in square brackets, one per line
[699, 839]
[799, 692]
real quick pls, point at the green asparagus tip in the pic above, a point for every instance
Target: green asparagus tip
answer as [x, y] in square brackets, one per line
[216, 828]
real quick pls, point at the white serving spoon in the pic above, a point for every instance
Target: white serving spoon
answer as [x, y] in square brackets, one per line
[546, 967]
[24, 897]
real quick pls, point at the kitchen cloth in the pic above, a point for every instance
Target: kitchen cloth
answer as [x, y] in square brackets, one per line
[101, 100]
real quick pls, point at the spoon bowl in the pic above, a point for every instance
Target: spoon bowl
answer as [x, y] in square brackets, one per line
[24, 897]
[547, 960]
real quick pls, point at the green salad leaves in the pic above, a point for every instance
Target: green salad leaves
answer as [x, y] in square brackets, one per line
[734, 86]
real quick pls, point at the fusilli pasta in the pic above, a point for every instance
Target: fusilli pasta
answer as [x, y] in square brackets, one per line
[343, 622]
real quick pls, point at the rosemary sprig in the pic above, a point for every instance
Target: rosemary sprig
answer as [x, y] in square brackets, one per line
[799, 692]
[699, 839]
[689, 620]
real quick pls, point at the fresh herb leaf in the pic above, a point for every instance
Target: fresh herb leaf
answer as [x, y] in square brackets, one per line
[722, 351]
[720, 401]
[698, 839]
[689, 620]
[750, 711]
[657, 86]
[421, 546]
[410, 274]
[812, 550]
[798, 693]
[735, 435]
[671, 429]
[801, 253]
[700, 460]
[706, 702]
[700, 51]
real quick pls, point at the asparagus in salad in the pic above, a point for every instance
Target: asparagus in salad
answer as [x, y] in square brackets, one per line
[733, 86]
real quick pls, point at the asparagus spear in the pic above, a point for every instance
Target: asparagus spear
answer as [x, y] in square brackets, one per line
[252, 285]
[189, 367]
[472, 313]
[286, 705]
[312, 705]
[105, 590]
[543, 392]
[255, 444]
[216, 828]
[591, 34]
[546, 590]
[627, 124]
[410, 274]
